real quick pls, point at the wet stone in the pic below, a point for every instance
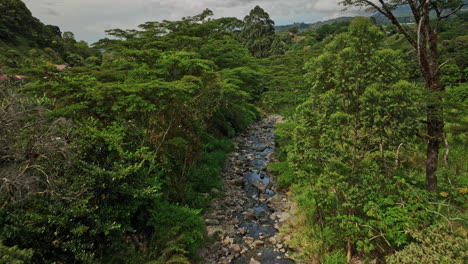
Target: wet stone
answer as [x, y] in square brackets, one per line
[249, 211]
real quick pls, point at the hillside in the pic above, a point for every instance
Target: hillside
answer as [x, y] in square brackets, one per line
[403, 13]
[26, 42]
[311, 26]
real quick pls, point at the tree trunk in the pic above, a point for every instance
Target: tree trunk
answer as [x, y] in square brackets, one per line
[435, 130]
[429, 65]
[349, 250]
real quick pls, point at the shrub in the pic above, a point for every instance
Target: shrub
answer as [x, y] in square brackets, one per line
[14, 255]
[433, 245]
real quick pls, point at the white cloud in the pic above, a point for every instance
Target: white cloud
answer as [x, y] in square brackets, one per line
[89, 18]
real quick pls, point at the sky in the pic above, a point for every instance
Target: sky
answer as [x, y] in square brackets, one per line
[88, 19]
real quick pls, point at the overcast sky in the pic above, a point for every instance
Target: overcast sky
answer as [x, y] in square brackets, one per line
[88, 19]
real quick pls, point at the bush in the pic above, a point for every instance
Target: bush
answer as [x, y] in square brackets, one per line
[14, 255]
[205, 174]
[433, 245]
[178, 232]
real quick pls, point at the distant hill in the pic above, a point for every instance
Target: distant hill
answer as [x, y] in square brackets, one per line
[312, 26]
[403, 13]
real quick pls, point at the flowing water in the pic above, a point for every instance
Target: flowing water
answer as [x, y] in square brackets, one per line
[249, 215]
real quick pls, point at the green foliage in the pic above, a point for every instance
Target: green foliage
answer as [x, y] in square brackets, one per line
[27, 42]
[114, 160]
[148, 127]
[258, 33]
[178, 231]
[286, 85]
[14, 255]
[350, 144]
[433, 245]
[285, 173]
[204, 175]
[451, 75]
[331, 29]
[352, 156]
[226, 52]
[335, 257]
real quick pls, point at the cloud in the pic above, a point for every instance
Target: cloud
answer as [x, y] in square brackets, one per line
[51, 12]
[88, 19]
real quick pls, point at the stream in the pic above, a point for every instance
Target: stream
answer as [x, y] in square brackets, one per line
[247, 218]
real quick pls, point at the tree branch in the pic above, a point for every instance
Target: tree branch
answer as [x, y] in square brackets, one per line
[388, 13]
[447, 151]
[453, 12]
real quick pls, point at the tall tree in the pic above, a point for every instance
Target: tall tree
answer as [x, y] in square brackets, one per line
[425, 43]
[258, 32]
[348, 138]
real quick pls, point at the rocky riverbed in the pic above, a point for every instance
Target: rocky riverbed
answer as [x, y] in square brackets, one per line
[245, 222]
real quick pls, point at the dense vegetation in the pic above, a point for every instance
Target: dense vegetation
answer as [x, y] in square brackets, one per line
[353, 151]
[115, 159]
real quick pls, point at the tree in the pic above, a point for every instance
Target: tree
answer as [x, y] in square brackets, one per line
[294, 30]
[425, 43]
[354, 135]
[258, 32]
[278, 47]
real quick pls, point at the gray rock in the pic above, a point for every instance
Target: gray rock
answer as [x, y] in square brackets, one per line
[212, 221]
[258, 243]
[283, 216]
[237, 182]
[248, 239]
[260, 186]
[235, 248]
[249, 216]
[253, 261]
[242, 230]
[272, 240]
[228, 241]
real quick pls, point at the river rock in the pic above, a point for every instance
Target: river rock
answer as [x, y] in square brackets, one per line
[212, 221]
[235, 221]
[242, 230]
[272, 240]
[237, 182]
[248, 239]
[258, 243]
[235, 248]
[276, 202]
[253, 261]
[228, 241]
[253, 149]
[261, 186]
[272, 216]
[249, 216]
[283, 216]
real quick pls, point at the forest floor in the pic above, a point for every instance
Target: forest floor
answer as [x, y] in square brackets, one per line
[245, 221]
